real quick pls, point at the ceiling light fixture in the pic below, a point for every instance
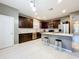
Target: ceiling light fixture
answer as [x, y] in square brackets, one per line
[59, 1]
[32, 4]
[34, 9]
[64, 11]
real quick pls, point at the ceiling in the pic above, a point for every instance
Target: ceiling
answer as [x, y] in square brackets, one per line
[43, 6]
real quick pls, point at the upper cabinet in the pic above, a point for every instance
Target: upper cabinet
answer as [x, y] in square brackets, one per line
[44, 24]
[50, 24]
[25, 22]
[54, 23]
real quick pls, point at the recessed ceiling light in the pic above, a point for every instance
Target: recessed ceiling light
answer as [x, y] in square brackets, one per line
[59, 1]
[50, 9]
[64, 11]
[32, 5]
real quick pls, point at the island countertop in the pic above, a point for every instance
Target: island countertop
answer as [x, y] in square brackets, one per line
[60, 34]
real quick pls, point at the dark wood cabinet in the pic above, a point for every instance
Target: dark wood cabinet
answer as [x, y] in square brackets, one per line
[38, 35]
[25, 22]
[28, 37]
[50, 24]
[54, 23]
[25, 37]
[44, 24]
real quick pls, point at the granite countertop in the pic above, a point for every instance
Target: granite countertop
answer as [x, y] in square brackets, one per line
[60, 34]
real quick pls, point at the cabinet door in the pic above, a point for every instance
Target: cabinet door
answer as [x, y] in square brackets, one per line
[25, 37]
[25, 22]
[38, 35]
[54, 23]
[44, 25]
[22, 22]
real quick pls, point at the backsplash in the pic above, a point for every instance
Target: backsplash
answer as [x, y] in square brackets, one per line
[55, 30]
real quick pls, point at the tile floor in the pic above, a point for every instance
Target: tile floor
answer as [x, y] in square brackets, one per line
[34, 50]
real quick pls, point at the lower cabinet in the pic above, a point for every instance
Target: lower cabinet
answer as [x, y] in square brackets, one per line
[28, 37]
[25, 37]
[38, 35]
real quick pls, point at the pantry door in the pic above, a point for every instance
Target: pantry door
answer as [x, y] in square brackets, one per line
[6, 31]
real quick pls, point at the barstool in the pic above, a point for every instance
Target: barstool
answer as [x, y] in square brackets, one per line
[58, 43]
[47, 41]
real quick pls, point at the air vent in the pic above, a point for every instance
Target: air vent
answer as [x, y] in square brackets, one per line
[50, 9]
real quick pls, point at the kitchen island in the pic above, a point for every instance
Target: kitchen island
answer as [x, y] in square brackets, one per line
[66, 38]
